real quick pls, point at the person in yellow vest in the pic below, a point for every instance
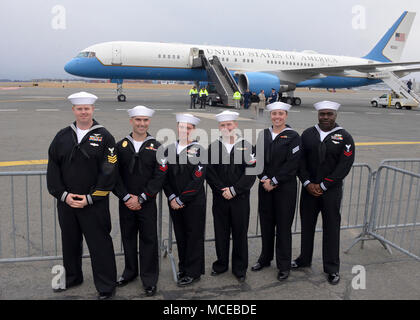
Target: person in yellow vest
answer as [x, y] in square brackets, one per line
[203, 97]
[237, 98]
[193, 96]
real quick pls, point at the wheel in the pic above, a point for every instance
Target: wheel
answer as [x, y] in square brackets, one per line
[289, 100]
[374, 104]
[398, 105]
[297, 101]
[383, 105]
[122, 98]
[408, 107]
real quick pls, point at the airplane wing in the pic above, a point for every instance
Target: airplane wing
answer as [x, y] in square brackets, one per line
[364, 68]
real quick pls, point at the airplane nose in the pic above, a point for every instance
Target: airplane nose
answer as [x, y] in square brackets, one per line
[70, 67]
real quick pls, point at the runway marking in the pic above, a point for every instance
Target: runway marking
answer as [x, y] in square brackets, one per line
[8, 110]
[386, 143]
[22, 163]
[163, 109]
[121, 109]
[374, 113]
[44, 110]
[397, 114]
[359, 144]
[31, 100]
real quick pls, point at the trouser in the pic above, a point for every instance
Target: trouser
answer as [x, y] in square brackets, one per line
[246, 104]
[140, 226]
[192, 103]
[237, 104]
[189, 224]
[231, 216]
[94, 223]
[276, 210]
[203, 100]
[329, 205]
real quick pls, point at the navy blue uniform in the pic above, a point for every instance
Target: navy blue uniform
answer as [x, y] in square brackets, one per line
[326, 163]
[86, 168]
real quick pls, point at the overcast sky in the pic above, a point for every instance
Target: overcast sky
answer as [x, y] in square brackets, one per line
[34, 45]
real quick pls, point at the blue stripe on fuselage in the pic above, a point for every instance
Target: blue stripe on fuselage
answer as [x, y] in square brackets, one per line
[337, 82]
[92, 68]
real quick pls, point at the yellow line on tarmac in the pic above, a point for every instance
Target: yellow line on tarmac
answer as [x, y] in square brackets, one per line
[386, 143]
[360, 144]
[22, 163]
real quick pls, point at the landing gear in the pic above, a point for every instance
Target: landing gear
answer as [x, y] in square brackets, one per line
[294, 101]
[121, 97]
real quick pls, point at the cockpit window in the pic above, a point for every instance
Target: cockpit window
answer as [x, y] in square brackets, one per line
[86, 54]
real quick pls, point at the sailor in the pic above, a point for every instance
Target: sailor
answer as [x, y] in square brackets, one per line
[82, 171]
[327, 157]
[186, 198]
[229, 157]
[140, 179]
[273, 96]
[277, 190]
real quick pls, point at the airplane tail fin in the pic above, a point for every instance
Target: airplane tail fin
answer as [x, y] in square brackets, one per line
[392, 44]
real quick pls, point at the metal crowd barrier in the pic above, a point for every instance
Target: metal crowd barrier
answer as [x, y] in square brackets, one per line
[354, 210]
[29, 228]
[394, 219]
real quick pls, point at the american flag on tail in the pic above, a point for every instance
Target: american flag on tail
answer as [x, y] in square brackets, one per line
[400, 37]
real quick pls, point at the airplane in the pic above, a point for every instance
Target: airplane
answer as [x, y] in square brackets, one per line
[233, 68]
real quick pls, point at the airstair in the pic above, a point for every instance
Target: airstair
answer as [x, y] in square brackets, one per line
[222, 79]
[399, 87]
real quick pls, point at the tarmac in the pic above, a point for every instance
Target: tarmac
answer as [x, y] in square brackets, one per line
[31, 116]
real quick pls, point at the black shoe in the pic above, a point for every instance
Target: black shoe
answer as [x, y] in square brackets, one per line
[180, 275]
[106, 295]
[68, 287]
[216, 273]
[186, 281]
[150, 291]
[283, 275]
[258, 266]
[333, 278]
[240, 279]
[123, 282]
[297, 265]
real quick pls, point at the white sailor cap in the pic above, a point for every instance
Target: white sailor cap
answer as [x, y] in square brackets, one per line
[82, 98]
[227, 116]
[188, 118]
[278, 106]
[140, 111]
[327, 105]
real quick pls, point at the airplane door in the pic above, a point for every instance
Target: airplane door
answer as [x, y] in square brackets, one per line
[194, 54]
[116, 54]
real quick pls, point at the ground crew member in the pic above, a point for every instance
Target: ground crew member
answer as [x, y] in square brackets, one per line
[203, 97]
[237, 99]
[277, 190]
[327, 157]
[82, 171]
[193, 96]
[226, 175]
[140, 179]
[186, 198]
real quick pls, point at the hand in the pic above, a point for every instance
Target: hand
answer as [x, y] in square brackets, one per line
[175, 205]
[267, 185]
[76, 201]
[227, 194]
[314, 189]
[133, 203]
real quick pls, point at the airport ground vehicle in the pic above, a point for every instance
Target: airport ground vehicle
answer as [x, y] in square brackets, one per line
[395, 100]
